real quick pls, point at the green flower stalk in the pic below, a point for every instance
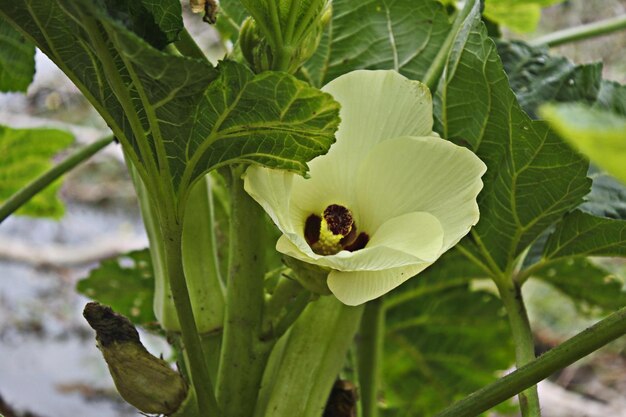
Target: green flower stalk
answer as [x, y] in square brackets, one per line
[143, 380]
[386, 202]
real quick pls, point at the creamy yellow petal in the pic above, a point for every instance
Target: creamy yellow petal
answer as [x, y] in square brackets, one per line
[426, 174]
[271, 188]
[354, 288]
[375, 106]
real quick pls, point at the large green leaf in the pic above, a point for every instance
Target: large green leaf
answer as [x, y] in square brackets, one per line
[584, 234]
[405, 35]
[443, 340]
[177, 117]
[537, 77]
[533, 178]
[125, 283]
[24, 155]
[585, 283]
[17, 59]
[518, 15]
[598, 134]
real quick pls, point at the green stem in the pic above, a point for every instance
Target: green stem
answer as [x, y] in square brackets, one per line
[557, 358]
[511, 296]
[200, 376]
[303, 371]
[20, 198]
[582, 32]
[284, 308]
[244, 354]
[431, 78]
[370, 352]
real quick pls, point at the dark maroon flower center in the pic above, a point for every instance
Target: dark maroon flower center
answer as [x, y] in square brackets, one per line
[334, 231]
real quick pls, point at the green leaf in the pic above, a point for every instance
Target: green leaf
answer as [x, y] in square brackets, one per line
[17, 59]
[405, 35]
[176, 117]
[157, 21]
[518, 15]
[607, 197]
[586, 283]
[24, 155]
[584, 234]
[537, 77]
[598, 134]
[443, 341]
[126, 283]
[533, 178]
[612, 97]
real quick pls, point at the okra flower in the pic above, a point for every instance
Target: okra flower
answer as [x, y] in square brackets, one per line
[388, 199]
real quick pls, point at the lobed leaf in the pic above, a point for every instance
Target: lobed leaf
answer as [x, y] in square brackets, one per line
[24, 155]
[404, 35]
[176, 117]
[533, 178]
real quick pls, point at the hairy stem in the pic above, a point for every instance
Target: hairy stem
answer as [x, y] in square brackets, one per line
[370, 353]
[511, 296]
[568, 352]
[581, 32]
[20, 198]
[244, 354]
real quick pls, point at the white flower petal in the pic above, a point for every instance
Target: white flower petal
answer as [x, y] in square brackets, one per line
[419, 234]
[405, 240]
[427, 174]
[271, 188]
[375, 106]
[354, 288]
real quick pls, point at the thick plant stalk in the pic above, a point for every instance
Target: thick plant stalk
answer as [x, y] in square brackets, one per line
[305, 368]
[244, 354]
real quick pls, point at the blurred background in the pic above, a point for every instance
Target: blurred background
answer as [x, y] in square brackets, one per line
[49, 363]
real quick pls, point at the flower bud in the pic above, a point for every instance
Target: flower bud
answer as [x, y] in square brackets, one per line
[143, 380]
[254, 46]
[259, 50]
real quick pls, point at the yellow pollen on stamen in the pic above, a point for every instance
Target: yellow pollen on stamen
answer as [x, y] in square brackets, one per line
[328, 243]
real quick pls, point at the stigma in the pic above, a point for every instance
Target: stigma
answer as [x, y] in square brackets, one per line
[333, 231]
